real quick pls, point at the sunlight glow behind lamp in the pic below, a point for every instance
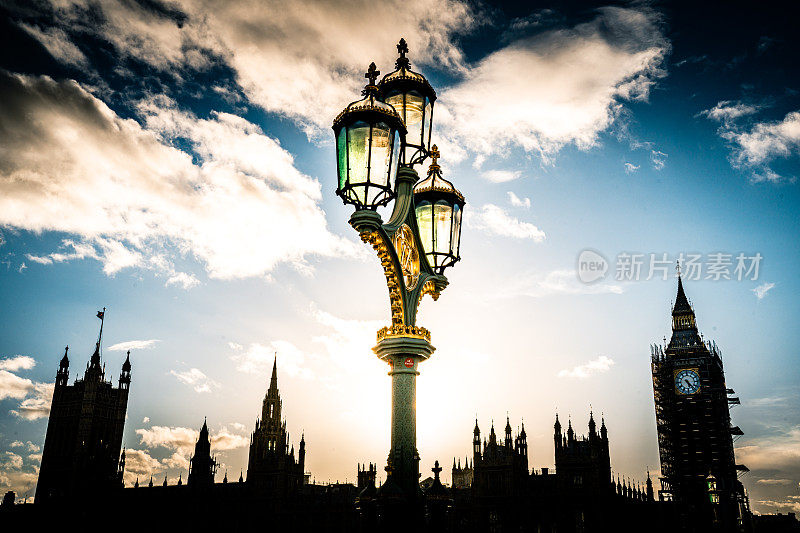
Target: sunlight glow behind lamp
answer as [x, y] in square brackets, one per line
[379, 139]
[369, 134]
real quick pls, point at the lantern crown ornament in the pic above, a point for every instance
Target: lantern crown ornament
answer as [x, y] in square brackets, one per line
[412, 96]
[369, 136]
[438, 206]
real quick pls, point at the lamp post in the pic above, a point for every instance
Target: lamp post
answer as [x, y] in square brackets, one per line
[379, 140]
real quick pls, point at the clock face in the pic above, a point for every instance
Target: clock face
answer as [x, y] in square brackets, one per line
[407, 253]
[687, 381]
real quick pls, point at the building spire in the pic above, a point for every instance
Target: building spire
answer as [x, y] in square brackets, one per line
[273, 381]
[94, 369]
[681, 302]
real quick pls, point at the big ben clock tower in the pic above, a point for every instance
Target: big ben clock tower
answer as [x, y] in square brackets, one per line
[695, 437]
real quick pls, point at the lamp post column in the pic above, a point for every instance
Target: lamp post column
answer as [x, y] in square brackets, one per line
[403, 354]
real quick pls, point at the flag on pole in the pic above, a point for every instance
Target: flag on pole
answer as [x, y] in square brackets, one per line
[101, 314]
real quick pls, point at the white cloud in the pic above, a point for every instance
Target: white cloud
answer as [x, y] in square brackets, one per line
[242, 211]
[559, 281]
[224, 440]
[139, 464]
[146, 420]
[658, 159]
[768, 140]
[516, 201]
[502, 176]
[35, 397]
[560, 87]
[775, 481]
[11, 461]
[493, 219]
[18, 362]
[16, 444]
[113, 254]
[37, 405]
[196, 379]
[763, 289]
[58, 44]
[180, 441]
[132, 345]
[596, 366]
[173, 438]
[630, 168]
[183, 279]
[301, 59]
[258, 358]
[775, 452]
[727, 111]
[788, 505]
[763, 143]
[13, 386]
[183, 439]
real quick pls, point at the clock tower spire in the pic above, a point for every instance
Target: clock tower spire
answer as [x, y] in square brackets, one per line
[694, 426]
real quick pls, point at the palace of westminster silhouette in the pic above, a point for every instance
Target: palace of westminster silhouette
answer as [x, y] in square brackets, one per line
[493, 489]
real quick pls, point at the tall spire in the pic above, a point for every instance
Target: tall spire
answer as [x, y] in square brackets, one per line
[94, 369]
[684, 324]
[682, 305]
[273, 382]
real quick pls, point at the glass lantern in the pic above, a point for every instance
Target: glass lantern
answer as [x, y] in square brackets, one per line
[413, 97]
[369, 136]
[439, 207]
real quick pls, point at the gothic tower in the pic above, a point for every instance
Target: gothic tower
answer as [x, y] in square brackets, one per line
[202, 466]
[84, 433]
[271, 465]
[694, 426]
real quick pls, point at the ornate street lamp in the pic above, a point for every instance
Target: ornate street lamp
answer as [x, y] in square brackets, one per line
[413, 97]
[413, 261]
[438, 208]
[369, 133]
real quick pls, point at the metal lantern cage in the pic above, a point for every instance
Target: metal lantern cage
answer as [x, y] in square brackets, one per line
[369, 136]
[439, 206]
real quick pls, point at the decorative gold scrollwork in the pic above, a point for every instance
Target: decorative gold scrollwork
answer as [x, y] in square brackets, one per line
[392, 280]
[404, 331]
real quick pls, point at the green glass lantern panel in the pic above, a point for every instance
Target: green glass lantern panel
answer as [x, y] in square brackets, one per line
[424, 214]
[358, 157]
[456, 237]
[442, 224]
[428, 124]
[395, 155]
[341, 153]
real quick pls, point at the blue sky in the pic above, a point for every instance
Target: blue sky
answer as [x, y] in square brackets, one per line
[173, 163]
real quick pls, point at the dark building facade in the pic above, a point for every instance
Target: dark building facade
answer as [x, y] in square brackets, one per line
[578, 496]
[695, 435]
[271, 465]
[202, 465]
[84, 432]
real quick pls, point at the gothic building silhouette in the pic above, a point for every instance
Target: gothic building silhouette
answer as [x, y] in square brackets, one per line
[271, 464]
[84, 431]
[202, 465]
[497, 488]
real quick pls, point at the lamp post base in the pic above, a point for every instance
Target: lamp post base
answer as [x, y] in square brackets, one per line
[403, 354]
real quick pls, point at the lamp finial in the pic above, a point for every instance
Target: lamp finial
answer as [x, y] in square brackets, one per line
[372, 73]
